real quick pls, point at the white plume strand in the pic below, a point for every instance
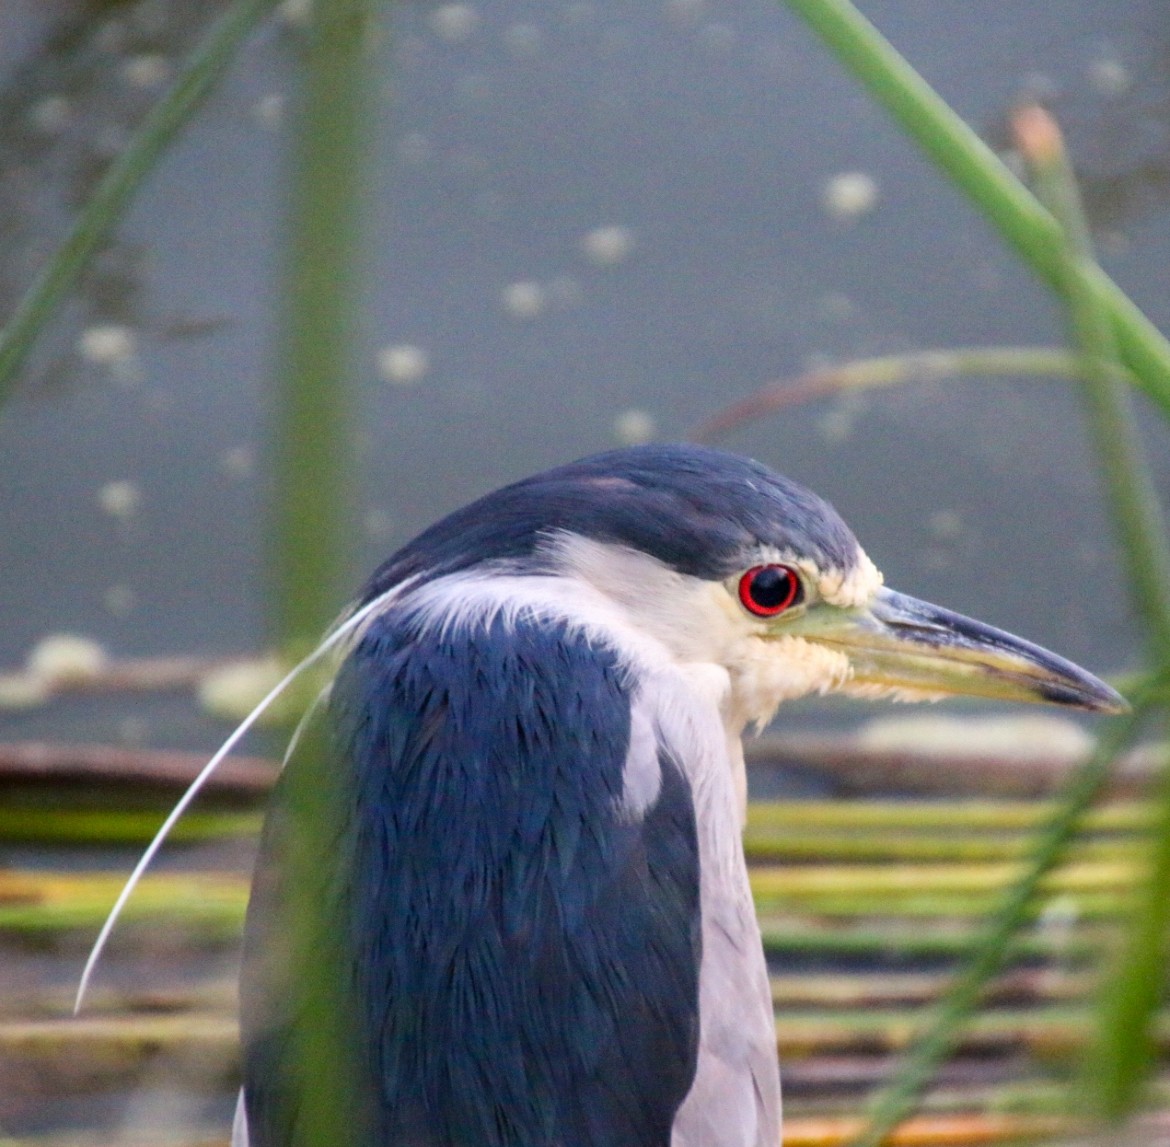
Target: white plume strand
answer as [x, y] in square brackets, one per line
[329, 642]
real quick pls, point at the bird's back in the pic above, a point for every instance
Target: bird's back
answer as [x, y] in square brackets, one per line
[519, 892]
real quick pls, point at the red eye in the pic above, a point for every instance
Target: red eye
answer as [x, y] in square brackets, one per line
[769, 590]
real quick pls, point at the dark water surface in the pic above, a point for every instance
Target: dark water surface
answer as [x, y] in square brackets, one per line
[694, 140]
[590, 221]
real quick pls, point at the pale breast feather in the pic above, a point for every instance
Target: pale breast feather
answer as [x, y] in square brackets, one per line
[734, 1100]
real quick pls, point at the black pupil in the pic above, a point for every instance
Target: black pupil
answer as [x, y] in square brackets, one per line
[772, 587]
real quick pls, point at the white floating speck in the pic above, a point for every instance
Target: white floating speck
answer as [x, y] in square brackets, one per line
[633, 427]
[945, 524]
[120, 600]
[149, 70]
[233, 691]
[296, 13]
[378, 524]
[716, 38]
[523, 40]
[524, 300]
[835, 425]
[120, 499]
[107, 344]
[1109, 77]
[837, 306]
[850, 195]
[608, 245]
[133, 731]
[51, 114]
[454, 22]
[238, 461]
[22, 691]
[403, 364]
[415, 149]
[66, 658]
[268, 111]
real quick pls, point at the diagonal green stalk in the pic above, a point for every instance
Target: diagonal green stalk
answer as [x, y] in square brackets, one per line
[1112, 423]
[121, 181]
[995, 943]
[1124, 1050]
[1104, 319]
[1122, 1054]
[971, 164]
[1119, 1061]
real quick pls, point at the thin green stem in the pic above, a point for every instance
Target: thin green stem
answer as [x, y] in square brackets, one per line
[313, 475]
[1119, 1062]
[893, 370]
[1112, 422]
[971, 164]
[313, 527]
[331, 1101]
[1122, 1054]
[117, 187]
[994, 944]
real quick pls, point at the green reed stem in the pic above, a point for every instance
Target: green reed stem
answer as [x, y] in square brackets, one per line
[979, 172]
[121, 181]
[1119, 1062]
[1112, 423]
[1122, 1055]
[313, 527]
[313, 447]
[894, 370]
[996, 940]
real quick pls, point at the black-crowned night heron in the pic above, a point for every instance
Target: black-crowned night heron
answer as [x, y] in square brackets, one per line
[545, 918]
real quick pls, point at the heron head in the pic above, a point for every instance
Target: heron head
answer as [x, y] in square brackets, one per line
[723, 563]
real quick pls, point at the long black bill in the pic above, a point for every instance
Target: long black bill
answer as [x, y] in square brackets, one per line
[901, 643]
